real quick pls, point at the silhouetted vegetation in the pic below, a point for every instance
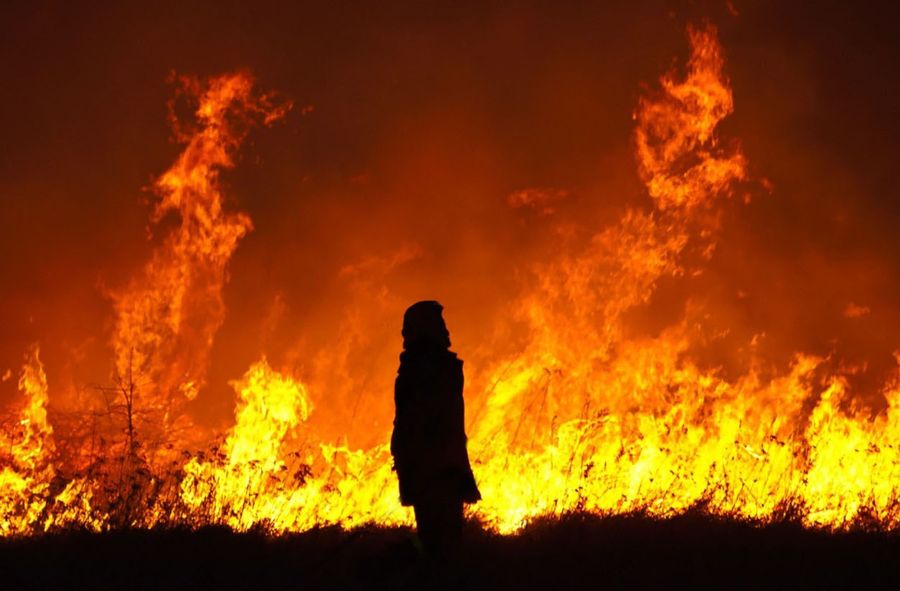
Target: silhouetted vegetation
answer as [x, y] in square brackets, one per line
[577, 551]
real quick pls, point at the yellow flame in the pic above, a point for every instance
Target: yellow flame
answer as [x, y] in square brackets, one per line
[167, 316]
[580, 417]
[583, 418]
[255, 479]
[24, 483]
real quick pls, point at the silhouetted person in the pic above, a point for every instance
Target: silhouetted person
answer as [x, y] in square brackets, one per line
[429, 439]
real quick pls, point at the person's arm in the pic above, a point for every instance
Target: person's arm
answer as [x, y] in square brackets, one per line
[399, 435]
[449, 433]
[459, 409]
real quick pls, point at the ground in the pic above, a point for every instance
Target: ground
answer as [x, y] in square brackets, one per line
[575, 552]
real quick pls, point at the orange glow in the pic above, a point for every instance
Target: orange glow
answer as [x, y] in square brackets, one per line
[168, 315]
[568, 407]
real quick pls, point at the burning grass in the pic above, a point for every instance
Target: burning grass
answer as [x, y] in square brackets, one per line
[580, 415]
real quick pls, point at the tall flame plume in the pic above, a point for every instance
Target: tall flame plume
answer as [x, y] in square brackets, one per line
[580, 415]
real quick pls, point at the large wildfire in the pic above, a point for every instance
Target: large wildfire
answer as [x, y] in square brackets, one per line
[567, 407]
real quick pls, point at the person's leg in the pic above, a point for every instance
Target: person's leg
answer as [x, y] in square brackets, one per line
[427, 526]
[440, 527]
[452, 526]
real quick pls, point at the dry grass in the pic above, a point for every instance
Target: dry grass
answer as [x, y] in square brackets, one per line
[576, 551]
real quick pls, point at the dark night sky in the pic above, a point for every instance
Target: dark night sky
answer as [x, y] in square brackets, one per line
[427, 115]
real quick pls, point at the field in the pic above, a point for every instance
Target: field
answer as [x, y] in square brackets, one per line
[576, 551]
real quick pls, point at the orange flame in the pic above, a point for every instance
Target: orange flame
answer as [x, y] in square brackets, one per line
[578, 415]
[678, 154]
[25, 481]
[168, 315]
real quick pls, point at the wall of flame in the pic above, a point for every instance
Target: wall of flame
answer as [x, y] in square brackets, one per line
[610, 364]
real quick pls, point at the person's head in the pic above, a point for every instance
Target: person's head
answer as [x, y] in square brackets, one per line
[423, 326]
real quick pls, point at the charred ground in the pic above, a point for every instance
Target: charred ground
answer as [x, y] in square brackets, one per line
[578, 551]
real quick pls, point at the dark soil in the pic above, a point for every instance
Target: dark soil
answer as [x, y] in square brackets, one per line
[574, 552]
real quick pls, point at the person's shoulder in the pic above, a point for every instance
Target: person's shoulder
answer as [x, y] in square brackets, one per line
[454, 360]
[407, 364]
